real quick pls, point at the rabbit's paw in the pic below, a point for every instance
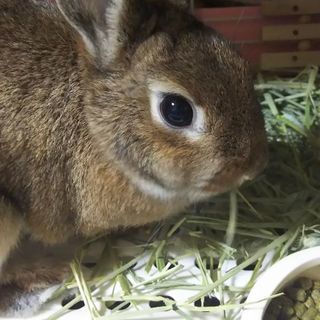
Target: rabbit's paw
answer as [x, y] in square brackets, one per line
[16, 302]
[23, 289]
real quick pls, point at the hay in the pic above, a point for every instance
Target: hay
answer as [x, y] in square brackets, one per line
[278, 213]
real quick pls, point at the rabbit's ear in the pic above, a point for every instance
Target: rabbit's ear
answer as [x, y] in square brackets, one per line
[108, 27]
[88, 18]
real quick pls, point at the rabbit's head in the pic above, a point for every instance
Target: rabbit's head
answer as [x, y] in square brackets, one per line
[168, 100]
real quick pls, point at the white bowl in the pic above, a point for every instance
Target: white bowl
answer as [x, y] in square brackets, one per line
[299, 264]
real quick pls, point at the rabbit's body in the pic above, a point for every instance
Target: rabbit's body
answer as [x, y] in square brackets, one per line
[58, 180]
[40, 98]
[81, 149]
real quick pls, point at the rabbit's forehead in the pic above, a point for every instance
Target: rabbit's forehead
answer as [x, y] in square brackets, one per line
[206, 91]
[203, 71]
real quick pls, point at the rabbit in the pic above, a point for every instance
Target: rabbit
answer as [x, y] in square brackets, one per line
[113, 114]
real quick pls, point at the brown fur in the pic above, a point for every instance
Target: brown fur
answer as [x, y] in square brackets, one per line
[11, 223]
[24, 280]
[35, 275]
[75, 119]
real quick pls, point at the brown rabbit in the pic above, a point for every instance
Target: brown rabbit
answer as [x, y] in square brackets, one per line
[113, 114]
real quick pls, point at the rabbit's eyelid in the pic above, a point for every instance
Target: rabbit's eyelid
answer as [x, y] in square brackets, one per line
[167, 87]
[158, 90]
[193, 132]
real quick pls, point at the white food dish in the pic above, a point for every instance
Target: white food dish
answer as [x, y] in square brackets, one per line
[299, 264]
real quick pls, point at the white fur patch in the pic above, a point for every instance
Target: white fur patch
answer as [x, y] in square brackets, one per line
[157, 191]
[198, 195]
[149, 187]
[152, 189]
[46, 294]
[28, 304]
[24, 306]
[157, 88]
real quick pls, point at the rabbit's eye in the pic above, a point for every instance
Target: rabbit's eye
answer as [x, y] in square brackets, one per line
[176, 111]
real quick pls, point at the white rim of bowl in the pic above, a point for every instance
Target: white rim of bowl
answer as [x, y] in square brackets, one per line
[275, 277]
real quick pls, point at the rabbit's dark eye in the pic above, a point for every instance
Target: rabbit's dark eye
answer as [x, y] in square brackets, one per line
[176, 111]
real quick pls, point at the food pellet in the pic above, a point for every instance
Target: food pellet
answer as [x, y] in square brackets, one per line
[309, 302]
[297, 294]
[299, 309]
[315, 294]
[316, 284]
[301, 301]
[310, 314]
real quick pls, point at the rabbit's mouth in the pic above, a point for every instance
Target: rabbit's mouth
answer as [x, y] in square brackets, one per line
[231, 177]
